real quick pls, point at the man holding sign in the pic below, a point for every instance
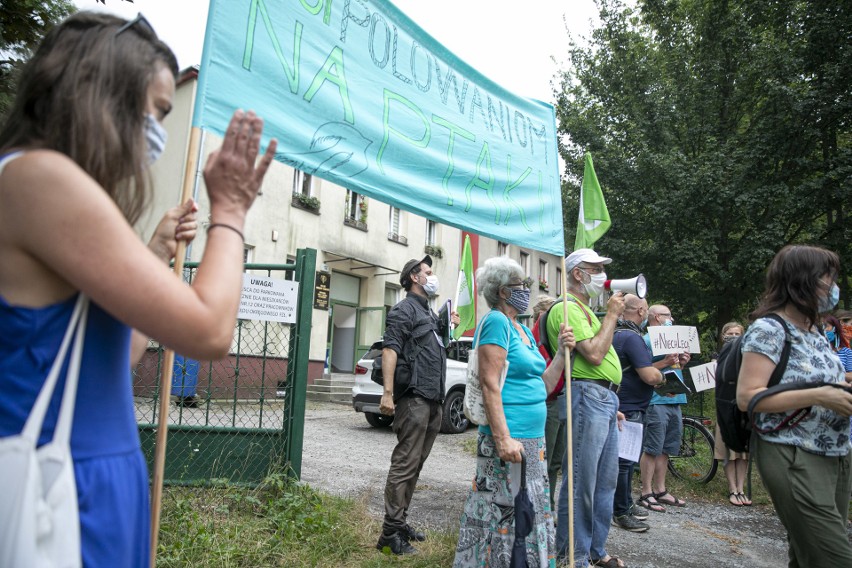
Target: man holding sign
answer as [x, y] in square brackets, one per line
[663, 427]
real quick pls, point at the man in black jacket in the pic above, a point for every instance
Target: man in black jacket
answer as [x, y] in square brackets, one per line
[414, 371]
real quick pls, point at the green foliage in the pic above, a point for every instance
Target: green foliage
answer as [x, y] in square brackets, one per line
[23, 24]
[720, 132]
[280, 523]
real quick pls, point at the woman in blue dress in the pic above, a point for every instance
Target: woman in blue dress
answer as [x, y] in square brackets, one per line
[74, 154]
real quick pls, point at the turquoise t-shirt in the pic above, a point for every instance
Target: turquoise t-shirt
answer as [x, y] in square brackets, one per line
[657, 399]
[524, 392]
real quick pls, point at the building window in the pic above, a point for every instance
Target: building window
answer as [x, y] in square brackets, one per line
[290, 274]
[354, 205]
[543, 283]
[393, 221]
[525, 262]
[248, 254]
[502, 249]
[391, 297]
[302, 183]
[431, 232]
[558, 281]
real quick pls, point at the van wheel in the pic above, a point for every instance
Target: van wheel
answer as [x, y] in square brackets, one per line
[378, 420]
[454, 420]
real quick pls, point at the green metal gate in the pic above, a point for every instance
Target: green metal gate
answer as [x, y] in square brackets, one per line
[237, 419]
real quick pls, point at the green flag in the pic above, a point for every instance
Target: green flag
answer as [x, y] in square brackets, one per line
[594, 217]
[465, 304]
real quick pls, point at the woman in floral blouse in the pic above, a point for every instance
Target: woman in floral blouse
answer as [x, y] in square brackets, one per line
[805, 467]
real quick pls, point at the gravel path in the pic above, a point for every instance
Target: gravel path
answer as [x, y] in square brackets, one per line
[344, 456]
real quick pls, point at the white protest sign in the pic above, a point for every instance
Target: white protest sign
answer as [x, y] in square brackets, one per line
[673, 339]
[703, 376]
[268, 299]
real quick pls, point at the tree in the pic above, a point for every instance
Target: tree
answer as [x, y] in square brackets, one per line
[720, 131]
[23, 24]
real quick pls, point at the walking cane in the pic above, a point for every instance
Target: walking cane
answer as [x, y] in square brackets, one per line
[168, 361]
[568, 442]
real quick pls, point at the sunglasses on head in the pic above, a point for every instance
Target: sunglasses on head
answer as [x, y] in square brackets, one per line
[139, 20]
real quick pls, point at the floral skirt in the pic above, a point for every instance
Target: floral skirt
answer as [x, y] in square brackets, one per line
[487, 530]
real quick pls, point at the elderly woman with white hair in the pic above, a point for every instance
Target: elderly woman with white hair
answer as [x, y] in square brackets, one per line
[516, 419]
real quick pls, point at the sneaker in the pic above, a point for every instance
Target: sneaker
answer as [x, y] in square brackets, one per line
[630, 523]
[409, 533]
[638, 512]
[396, 544]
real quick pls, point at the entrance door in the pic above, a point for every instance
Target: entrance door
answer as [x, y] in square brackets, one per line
[342, 323]
[369, 327]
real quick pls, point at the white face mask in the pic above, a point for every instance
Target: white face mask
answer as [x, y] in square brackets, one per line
[155, 136]
[595, 287]
[431, 285]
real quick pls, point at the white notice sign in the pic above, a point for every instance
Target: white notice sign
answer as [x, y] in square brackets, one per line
[673, 339]
[703, 376]
[268, 299]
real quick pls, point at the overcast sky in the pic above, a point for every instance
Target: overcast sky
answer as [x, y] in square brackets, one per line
[512, 43]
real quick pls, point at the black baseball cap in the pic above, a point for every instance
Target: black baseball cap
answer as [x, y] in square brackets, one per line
[411, 265]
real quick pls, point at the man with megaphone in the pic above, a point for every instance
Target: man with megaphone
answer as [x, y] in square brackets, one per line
[595, 376]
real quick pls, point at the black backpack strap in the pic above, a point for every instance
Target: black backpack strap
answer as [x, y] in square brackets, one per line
[778, 373]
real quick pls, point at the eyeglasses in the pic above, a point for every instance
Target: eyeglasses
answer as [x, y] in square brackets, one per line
[664, 315]
[139, 19]
[591, 269]
[526, 283]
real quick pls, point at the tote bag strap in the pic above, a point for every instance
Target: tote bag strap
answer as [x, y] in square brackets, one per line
[508, 340]
[34, 423]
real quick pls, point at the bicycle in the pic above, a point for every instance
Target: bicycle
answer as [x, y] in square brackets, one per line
[696, 462]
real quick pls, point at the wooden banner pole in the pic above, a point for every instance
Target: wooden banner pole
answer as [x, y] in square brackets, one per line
[568, 435]
[169, 359]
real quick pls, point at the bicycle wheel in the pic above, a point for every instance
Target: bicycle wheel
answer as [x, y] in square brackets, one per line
[695, 462]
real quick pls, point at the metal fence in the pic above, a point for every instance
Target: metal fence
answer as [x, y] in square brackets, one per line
[235, 419]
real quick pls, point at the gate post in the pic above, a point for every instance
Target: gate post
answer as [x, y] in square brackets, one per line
[300, 346]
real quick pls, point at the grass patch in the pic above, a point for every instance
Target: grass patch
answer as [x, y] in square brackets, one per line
[281, 523]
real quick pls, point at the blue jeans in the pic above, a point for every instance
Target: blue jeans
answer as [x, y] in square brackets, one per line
[594, 436]
[623, 498]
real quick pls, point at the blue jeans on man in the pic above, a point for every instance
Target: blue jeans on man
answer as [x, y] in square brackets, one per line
[623, 496]
[594, 435]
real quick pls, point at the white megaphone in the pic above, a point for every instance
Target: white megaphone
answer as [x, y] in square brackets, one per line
[638, 286]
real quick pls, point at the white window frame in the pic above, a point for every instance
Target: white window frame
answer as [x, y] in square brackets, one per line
[502, 248]
[524, 261]
[431, 232]
[353, 201]
[300, 180]
[394, 217]
[558, 281]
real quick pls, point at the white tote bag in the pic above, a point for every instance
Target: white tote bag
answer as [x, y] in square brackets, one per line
[474, 404]
[39, 520]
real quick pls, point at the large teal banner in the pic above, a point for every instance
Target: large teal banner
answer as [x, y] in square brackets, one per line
[359, 95]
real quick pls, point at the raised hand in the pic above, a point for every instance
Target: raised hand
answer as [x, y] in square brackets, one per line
[232, 175]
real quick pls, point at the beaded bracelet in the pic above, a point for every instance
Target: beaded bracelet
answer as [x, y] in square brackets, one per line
[237, 231]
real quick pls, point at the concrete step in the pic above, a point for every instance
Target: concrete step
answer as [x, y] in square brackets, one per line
[332, 388]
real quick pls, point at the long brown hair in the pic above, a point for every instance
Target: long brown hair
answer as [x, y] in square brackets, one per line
[83, 93]
[793, 278]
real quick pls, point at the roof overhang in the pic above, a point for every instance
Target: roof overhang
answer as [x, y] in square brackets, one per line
[356, 263]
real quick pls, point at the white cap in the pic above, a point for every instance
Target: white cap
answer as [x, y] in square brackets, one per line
[584, 255]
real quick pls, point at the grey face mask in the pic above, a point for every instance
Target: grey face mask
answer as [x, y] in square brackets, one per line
[155, 136]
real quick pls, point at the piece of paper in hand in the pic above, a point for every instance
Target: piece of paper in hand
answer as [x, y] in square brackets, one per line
[630, 441]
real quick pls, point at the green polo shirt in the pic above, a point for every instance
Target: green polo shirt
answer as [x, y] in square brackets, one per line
[586, 325]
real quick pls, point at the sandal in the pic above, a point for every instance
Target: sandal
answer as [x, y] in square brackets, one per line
[743, 499]
[734, 499]
[645, 501]
[673, 502]
[612, 562]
